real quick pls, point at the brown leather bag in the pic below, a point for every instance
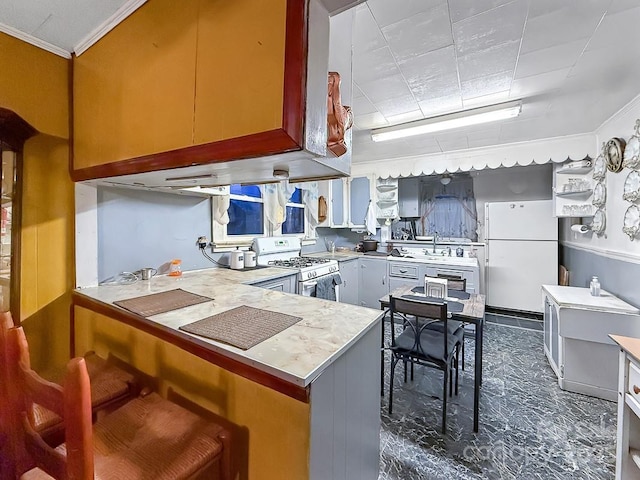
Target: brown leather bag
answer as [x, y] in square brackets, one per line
[339, 117]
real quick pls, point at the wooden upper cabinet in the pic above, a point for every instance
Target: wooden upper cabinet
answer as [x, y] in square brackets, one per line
[240, 70]
[133, 90]
[191, 82]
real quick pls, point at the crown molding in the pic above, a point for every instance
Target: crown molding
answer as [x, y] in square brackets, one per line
[34, 41]
[122, 13]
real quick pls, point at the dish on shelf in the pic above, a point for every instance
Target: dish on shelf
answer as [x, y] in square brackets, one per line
[631, 221]
[387, 187]
[631, 191]
[599, 195]
[386, 203]
[632, 150]
[423, 239]
[577, 210]
[387, 195]
[574, 193]
[599, 168]
[599, 222]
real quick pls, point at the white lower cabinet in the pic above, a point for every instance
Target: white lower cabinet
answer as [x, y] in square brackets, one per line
[576, 338]
[373, 281]
[350, 274]
[628, 437]
[287, 284]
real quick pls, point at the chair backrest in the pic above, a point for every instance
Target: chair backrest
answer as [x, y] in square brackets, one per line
[425, 313]
[72, 402]
[7, 466]
[454, 282]
[563, 275]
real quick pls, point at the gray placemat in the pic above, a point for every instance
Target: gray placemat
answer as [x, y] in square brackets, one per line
[242, 327]
[452, 307]
[450, 293]
[148, 305]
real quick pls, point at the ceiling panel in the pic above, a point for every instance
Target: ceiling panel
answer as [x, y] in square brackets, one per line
[366, 32]
[432, 75]
[423, 32]
[461, 9]
[439, 105]
[491, 28]
[387, 12]
[539, 84]
[362, 105]
[549, 59]
[397, 105]
[385, 88]
[484, 100]
[500, 58]
[374, 64]
[487, 85]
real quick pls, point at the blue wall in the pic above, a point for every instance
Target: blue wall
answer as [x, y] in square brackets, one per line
[616, 276]
[138, 228]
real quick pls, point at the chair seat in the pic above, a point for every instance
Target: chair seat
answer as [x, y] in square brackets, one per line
[108, 384]
[150, 438]
[432, 343]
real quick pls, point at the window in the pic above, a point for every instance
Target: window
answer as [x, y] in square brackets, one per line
[247, 217]
[450, 210]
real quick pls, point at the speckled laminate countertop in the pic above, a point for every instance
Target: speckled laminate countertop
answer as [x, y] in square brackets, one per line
[297, 355]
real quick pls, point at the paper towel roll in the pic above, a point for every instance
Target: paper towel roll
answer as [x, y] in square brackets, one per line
[580, 228]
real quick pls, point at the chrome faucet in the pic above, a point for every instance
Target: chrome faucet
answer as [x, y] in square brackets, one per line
[435, 239]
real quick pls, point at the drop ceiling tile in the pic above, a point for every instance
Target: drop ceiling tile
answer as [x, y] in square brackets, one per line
[461, 9]
[539, 84]
[366, 33]
[484, 100]
[374, 64]
[423, 32]
[483, 136]
[452, 141]
[499, 58]
[561, 26]
[387, 12]
[25, 16]
[357, 93]
[493, 27]
[370, 120]
[487, 85]
[397, 105]
[385, 88]
[549, 59]
[440, 105]
[433, 74]
[617, 29]
[622, 5]
[362, 105]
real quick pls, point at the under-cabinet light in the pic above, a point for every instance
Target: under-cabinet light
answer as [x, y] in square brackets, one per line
[465, 118]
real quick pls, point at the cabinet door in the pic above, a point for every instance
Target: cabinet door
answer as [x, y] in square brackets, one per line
[373, 281]
[409, 197]
[284, 284]
[349, 288]
[338, 201]
[359, 198]
[397, 282]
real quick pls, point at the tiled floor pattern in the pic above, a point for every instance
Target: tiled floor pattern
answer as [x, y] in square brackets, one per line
[529, 427]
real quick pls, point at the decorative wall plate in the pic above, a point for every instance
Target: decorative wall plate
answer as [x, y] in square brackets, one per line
[632, 150]
[613, 154]
[632, 187]
[599, 195]
[599, 168]
[599, 222]
[631, 221]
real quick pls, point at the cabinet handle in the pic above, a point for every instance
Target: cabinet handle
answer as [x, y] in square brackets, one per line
[403, 271]
[636, 390]
[384, 279]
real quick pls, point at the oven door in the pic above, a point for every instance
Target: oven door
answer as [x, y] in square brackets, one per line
[308, 289]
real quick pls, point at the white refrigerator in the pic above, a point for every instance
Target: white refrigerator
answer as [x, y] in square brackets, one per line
[521, 253]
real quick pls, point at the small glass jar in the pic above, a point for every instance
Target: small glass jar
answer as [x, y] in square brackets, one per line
[175, 268]
[594, 286]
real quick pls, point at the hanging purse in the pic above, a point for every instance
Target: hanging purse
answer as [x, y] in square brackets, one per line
[339, 117]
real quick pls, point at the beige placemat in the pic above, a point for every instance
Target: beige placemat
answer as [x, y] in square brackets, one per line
[162, 302]
[242, 327]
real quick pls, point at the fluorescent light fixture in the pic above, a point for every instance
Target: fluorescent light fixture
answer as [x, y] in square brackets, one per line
[465, 118]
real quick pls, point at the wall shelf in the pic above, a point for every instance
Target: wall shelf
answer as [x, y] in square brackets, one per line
[578, 194]
[578, 171]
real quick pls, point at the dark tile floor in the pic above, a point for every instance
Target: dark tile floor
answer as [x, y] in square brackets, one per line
[529, 427]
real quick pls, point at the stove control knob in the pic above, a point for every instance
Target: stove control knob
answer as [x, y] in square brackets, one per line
[315, 274]
[308, 274]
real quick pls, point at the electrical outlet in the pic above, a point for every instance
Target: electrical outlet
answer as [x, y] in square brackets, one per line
[202, 242]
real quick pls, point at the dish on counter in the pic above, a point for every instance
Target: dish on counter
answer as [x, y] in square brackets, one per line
[631, 191]
[632, 150]
[632, 221]
[599, 222]
[599, 195]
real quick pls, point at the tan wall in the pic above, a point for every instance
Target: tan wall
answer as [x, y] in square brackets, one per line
[278, 426]
[47, 256]
[175, 74]
[34, 84]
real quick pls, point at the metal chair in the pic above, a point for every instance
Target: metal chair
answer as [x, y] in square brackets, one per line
[420, 345]
[147, 438]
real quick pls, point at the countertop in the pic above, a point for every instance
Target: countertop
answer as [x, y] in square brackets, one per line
[297, 355]
[430, 259]
[629, 345]
[577, 297]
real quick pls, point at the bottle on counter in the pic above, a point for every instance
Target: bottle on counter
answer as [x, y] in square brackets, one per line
[594, 286]
[175, 267]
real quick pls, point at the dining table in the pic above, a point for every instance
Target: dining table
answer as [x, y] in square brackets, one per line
[471, 312]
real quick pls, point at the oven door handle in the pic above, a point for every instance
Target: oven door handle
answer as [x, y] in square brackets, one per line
[309, 285]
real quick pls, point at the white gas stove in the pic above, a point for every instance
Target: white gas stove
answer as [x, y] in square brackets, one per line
[284, 252]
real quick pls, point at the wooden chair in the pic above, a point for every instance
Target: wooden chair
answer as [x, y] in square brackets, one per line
[422, 346]
[147, 438]
[111, 386]
[563, 276]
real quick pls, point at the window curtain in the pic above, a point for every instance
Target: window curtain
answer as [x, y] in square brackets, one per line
[276, 197]
[449, 210]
